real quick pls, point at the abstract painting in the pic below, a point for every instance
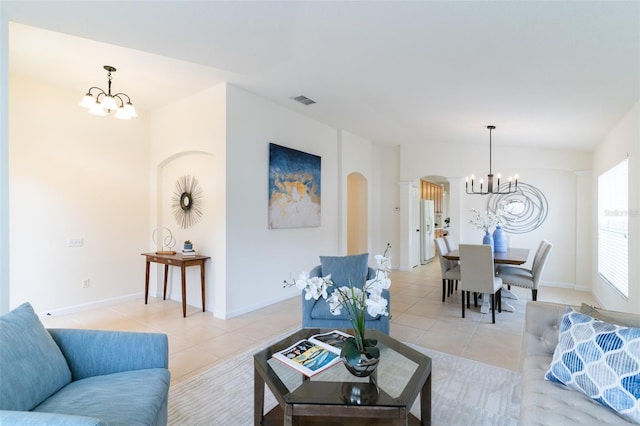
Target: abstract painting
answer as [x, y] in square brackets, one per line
[294, 188]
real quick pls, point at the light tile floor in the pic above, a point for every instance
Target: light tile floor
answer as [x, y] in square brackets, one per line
[200, 341]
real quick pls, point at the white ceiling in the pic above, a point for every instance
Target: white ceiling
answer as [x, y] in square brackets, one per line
[556, 74]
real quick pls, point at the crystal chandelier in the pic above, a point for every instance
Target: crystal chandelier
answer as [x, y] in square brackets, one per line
[105, 102]
[508, 188]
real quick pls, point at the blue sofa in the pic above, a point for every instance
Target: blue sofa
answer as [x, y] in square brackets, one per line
[343, 269]
[80, 377]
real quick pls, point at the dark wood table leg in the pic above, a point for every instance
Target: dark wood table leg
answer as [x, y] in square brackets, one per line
[166, 275]
[425, 403]
[258, 398]
[146, 282]
[202, 282]
[184, 290]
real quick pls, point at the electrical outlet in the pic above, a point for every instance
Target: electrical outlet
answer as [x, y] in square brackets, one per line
[85, 283]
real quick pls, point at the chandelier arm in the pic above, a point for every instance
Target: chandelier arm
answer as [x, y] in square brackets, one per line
[98, 89]
[119, 96]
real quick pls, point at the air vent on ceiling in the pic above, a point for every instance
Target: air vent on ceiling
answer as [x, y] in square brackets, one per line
[304, 100]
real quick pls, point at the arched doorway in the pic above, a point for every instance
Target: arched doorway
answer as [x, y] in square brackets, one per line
[357, 214]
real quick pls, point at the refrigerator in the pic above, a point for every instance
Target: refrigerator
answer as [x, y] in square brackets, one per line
[427, 231]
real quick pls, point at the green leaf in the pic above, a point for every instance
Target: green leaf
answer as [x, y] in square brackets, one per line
[350, 351]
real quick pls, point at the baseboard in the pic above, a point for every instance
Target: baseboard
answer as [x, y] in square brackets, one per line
[92, 305]
[251, 308]
[570, 286]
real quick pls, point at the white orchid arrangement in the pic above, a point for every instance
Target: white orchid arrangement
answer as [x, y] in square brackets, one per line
[353, 299]
[487, 220]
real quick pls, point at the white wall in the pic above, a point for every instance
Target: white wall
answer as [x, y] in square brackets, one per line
[386, 202]
[623, 140]
[259, 258]
[74, 175]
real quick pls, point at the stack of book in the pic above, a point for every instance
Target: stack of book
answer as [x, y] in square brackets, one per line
[190, 252]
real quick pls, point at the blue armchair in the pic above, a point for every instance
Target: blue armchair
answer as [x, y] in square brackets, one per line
[80, 377]
[343, 270]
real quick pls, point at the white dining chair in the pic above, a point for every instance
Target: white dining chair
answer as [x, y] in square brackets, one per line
[449, 269]
[477, 275]
[451, 243]
[527, 278]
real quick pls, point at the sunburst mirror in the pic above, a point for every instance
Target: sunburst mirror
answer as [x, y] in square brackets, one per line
[186, 201]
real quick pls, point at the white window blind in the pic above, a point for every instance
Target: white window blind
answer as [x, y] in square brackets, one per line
[613, 225]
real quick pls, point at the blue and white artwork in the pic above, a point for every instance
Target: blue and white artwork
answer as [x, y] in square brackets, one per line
[294, 188]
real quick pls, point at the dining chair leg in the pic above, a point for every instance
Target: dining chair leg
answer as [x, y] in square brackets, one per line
[493, 308]
[444, 288]
[463, 303]
[468, 297]
[475, 299]
[534, 294]
[500, 300]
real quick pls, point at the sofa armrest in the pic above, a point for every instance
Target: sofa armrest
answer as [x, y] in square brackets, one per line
[10, 418]
[97, 352]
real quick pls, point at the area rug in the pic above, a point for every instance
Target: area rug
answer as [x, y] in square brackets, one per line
[464, 393]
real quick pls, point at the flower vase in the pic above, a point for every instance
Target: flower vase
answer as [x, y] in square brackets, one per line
[499, 240]
[360, 363]
[488, 239]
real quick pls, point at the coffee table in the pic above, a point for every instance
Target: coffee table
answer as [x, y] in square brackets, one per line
[335, 397]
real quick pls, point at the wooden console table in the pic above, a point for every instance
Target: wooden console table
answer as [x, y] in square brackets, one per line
[175, 260]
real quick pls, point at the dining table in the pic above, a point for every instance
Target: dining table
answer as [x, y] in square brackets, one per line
[513, 256]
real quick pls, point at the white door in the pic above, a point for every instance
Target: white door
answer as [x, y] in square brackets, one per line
[414, 246]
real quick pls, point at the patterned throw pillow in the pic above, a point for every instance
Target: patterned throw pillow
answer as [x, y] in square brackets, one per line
[601, 360]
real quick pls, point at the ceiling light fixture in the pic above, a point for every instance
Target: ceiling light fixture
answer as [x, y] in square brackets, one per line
[509, 188]
[105, 102]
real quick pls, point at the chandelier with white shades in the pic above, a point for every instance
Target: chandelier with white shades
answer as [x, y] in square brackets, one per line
[99, 102]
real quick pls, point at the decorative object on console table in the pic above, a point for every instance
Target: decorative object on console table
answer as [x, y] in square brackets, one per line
[360, 355]
[163, 235]
[188, 249]
[499, 239]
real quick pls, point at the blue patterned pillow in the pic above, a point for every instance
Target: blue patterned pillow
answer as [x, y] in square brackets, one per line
[601, 360]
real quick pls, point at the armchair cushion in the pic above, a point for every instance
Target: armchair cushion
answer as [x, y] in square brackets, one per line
[26, 343]
[346, 270]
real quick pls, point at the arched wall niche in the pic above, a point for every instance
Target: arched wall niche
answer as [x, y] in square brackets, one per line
[201, 165]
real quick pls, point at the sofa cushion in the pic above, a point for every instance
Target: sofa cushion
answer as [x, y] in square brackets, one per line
[33, 367]
[346, 270]
[129, 397]
[601, 360]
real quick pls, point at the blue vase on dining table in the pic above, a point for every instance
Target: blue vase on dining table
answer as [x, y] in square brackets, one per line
[488, 239]
[499, 240]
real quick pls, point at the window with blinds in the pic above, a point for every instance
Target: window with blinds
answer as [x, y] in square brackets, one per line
[613, 225]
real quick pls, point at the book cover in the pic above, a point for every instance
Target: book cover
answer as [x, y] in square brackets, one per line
[333, 340]
[307, 357]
